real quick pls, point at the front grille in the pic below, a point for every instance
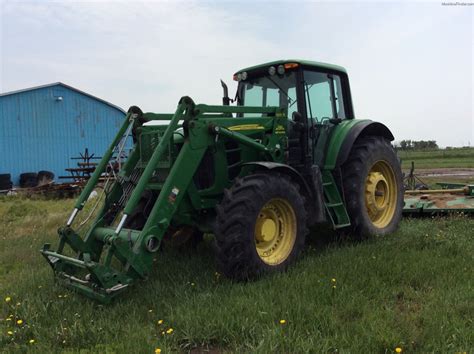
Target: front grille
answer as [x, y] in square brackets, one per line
[148, 143]
[234, 161]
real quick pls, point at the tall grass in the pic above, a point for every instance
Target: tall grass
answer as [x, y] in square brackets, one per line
[413, 290]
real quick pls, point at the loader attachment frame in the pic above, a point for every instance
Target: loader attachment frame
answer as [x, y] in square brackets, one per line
[102, 281]
[112, 255]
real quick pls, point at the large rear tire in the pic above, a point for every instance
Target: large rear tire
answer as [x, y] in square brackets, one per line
[373, 187]
[260, 226]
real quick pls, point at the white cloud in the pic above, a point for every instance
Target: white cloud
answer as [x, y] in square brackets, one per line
[148, 54]
[410, 64]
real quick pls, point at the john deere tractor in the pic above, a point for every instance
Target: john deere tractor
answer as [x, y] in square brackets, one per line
[287, 155]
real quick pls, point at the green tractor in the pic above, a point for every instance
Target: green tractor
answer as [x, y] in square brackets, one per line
[288, 156]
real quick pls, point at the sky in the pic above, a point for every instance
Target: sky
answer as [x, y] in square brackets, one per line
[410, 63]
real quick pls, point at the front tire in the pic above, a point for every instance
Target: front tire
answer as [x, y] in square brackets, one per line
[260, 226]
[373, 187]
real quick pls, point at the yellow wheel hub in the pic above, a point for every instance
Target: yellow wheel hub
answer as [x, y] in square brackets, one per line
[275, 231]
[381, 194]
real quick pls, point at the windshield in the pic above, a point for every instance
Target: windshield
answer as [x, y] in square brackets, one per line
[275, 90]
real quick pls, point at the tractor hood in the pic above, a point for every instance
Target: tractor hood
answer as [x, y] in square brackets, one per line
[178, 136]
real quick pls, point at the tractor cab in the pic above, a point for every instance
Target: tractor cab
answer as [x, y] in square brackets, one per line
[314, 95]
[317, 91]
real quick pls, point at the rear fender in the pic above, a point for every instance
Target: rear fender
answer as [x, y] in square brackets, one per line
[344, 137]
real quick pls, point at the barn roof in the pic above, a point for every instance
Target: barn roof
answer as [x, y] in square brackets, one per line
[66, 86]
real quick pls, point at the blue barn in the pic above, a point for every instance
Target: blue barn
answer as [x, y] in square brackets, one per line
[41, 128]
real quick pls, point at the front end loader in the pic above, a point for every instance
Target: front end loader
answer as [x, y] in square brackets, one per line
[288, 156]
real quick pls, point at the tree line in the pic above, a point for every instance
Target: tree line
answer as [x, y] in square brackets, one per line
[417, 145]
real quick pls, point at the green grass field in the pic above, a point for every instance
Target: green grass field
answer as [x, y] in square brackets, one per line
[452, 158]
[413, 290]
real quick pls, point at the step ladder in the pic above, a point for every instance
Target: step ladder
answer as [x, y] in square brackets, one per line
[333, 202]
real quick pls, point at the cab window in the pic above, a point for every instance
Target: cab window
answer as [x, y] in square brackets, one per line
[323, 94]
[266, 91]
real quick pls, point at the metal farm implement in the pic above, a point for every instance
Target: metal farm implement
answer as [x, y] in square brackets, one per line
[449, 198]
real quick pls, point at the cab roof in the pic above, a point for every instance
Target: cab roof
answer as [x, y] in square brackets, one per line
[309, 63]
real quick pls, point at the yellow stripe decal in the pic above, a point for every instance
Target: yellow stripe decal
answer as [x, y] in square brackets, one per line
[246, 127]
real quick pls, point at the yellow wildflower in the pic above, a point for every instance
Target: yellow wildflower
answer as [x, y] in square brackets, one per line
[169, 331]
[334, 286]
[157, 351]
[8, 299]
[160, 322]
[150, 311]
[31, 341]
[282, 321]
[19, 322]
[398, 349]
[333, 280]
[162, 333]
[10, 333]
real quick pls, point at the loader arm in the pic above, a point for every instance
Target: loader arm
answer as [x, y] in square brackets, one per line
[102, 281]
[112, 256]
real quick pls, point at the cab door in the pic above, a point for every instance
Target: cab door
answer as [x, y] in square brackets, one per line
[324, 107]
